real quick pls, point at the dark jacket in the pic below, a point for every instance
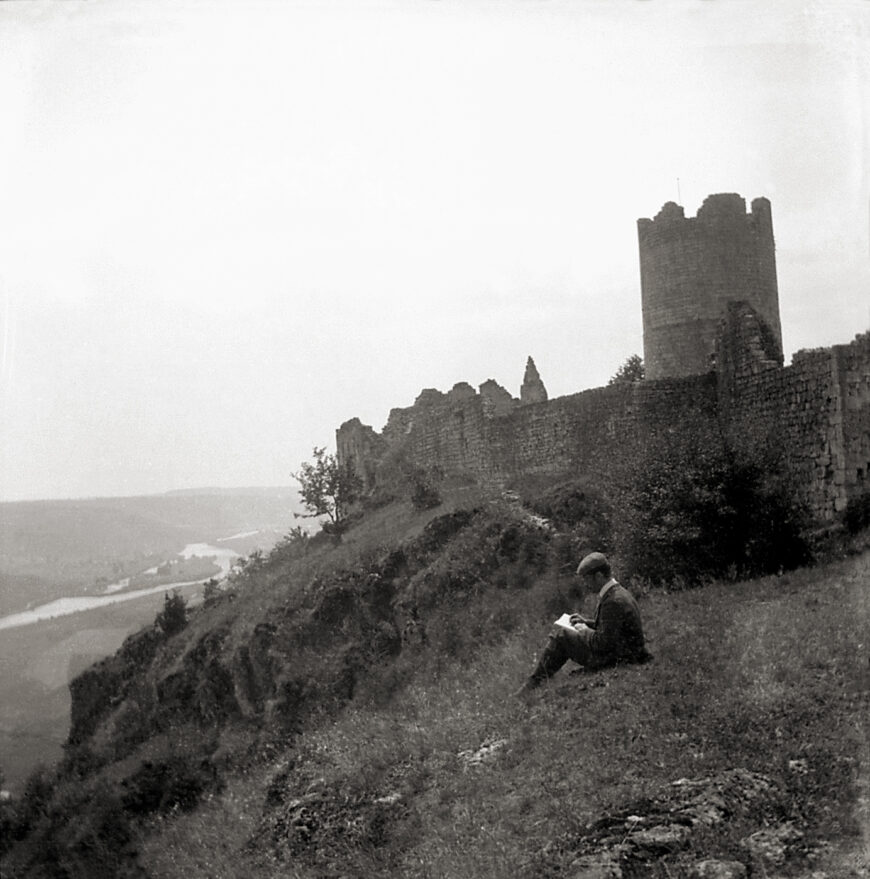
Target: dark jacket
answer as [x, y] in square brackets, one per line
[617, 630]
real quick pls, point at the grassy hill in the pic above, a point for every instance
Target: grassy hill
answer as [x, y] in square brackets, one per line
[345, 710]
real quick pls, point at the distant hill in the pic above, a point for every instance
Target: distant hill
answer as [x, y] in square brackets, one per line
[53, 547]
[280, 491]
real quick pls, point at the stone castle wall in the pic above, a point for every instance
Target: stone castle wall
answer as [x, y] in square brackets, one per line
[817, 409]
[464, 434]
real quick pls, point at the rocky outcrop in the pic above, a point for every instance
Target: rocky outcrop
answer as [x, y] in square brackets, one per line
[631, 841]
[311, 657]
[97, 690]
[318, 824]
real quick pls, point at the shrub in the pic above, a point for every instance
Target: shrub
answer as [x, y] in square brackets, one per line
[293, 545]
[211, 592]
[424, 487]
[399, 476]
[244, 569]
[165, 786]
[92, 835]
[7, 825]
[32, 808]
[81, 833]
[694, 504]
[856, 516]
[570, 503]
[79, 761]
[173, 617]
[578, 509]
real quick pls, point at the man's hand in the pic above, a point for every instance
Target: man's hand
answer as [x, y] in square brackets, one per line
[577, 620]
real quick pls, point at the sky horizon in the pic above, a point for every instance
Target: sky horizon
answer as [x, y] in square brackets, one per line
[227, 228]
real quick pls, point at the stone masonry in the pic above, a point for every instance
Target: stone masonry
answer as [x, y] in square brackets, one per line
[691, 268]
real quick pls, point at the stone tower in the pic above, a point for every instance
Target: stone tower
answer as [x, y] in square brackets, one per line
[691, 268]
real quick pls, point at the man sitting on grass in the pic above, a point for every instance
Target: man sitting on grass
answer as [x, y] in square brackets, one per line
[613, 636]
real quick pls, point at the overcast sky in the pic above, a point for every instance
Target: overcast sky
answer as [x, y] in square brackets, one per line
[226, 228]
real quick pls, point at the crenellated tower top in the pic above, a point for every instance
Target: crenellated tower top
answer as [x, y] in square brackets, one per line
[691, 268]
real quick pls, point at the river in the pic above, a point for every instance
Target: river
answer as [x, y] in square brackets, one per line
[114, 594]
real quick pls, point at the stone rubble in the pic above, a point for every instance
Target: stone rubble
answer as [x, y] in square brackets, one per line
[486, 753]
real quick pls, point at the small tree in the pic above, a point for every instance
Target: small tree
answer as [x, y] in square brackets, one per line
[328, 488]
[630, 371]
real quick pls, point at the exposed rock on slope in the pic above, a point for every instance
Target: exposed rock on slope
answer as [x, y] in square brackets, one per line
[630, 841]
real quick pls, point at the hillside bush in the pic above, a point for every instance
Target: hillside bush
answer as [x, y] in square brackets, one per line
[72, 830]
[173, 617]
[92, 835]
[33, 806]
[856, 516]
[693, 504]
[424, 487]
[168, 785]
[581, 516]
[399, 477]
[498, 548]
[211, 592]
[573, 503]
[245, 568]
[294, 545]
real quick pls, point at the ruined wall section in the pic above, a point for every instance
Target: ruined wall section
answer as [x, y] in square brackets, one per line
[691, 268]
[797, 407]
[491, 438]
[449, 430]
[451, 435]
[745, 345]
[852, 364]
[362, 448]
[817, 410]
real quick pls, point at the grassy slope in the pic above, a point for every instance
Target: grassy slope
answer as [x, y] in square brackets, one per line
[753, 675]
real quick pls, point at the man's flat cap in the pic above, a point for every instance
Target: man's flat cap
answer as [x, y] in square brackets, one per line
[595, 561]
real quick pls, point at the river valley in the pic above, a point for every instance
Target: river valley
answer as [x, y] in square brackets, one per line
[115, 593]
[44, 647]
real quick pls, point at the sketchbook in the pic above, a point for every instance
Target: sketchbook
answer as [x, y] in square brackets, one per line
[565, 622]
